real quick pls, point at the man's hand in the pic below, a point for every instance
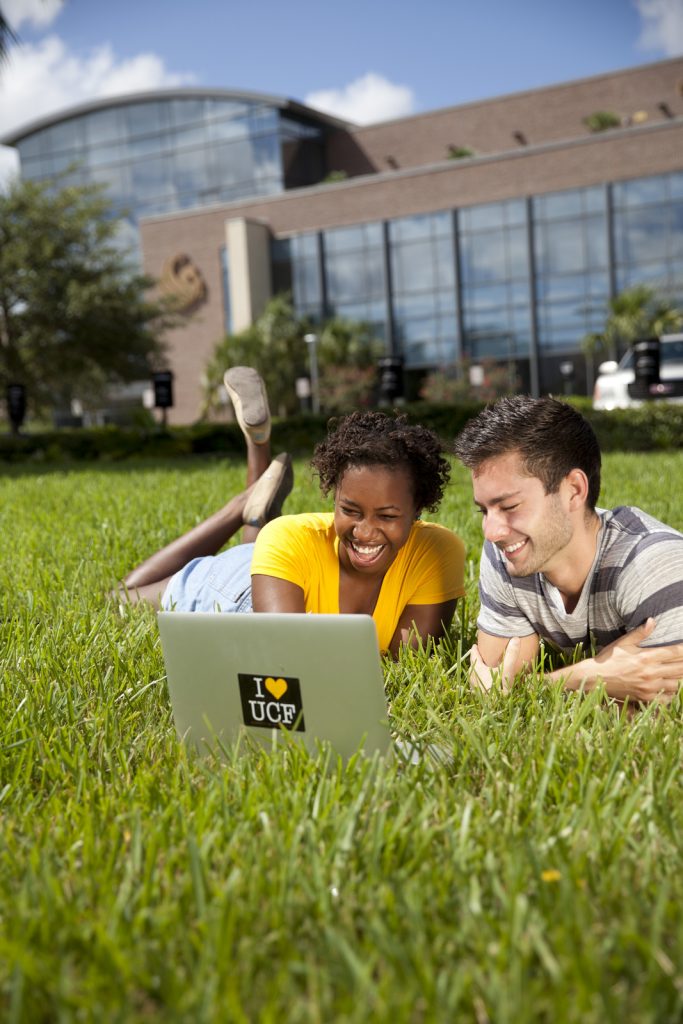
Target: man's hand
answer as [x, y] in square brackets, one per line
[629, 671]
[484, 677]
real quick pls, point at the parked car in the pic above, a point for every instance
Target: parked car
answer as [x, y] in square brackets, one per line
[611, 386]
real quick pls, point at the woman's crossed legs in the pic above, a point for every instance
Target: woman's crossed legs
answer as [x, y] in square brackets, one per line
[268, 484]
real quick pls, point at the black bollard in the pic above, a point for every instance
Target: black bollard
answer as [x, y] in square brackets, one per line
[645, 367]
[16, 405]
[163, 392]
[390, 371]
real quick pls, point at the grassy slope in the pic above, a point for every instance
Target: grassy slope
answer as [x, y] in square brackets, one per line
[535, 877]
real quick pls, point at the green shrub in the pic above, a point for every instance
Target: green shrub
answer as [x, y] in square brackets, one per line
[451, 383]
[334, 176]
[460, 152]
[648, 428]
[652, 427]
[602, 120]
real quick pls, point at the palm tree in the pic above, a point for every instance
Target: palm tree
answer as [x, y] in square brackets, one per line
[7, 36]
[637, 312]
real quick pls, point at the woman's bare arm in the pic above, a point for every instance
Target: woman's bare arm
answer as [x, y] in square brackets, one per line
[270, 594]
[418, 622]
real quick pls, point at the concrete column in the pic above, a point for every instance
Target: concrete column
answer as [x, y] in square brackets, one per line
[249, 270]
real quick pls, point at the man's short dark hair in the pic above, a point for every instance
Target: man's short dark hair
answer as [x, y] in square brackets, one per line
[551, 437]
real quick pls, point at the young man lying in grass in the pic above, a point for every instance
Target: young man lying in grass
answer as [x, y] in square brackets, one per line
[555, 568]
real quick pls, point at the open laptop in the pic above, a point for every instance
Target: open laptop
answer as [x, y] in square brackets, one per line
[276, 677]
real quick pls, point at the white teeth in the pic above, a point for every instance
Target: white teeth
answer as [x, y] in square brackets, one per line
[514, 547]
[367, 549]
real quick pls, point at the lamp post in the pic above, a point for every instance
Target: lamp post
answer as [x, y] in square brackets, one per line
[567, 371]
[312, 342]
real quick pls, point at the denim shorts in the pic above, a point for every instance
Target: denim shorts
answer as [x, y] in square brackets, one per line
[213, 583]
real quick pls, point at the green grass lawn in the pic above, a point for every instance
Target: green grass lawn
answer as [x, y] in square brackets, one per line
[536, 877]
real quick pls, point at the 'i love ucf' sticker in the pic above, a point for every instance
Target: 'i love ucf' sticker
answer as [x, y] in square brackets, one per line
[271, 701]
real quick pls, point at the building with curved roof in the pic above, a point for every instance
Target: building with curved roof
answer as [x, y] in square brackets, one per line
[497, 230]
[168, 150]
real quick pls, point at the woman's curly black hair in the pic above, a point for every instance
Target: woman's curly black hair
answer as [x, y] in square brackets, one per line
[377, 439]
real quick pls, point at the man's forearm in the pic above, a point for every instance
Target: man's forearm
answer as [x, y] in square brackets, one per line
[627, 669]
[640, 675]
[582, 675]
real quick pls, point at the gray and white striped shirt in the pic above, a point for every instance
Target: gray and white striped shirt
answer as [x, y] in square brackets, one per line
[637, 572]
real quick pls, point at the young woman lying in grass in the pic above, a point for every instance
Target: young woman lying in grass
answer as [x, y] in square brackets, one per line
[373, 555]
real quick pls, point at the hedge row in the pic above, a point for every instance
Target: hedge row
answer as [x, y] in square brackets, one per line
[648, 428]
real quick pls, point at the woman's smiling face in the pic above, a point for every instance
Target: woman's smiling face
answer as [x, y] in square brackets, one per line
[374, 510]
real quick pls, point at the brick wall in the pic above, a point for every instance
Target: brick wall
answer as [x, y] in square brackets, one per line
[542, 115]
[654, 147]
[191, 344]
[609, 156]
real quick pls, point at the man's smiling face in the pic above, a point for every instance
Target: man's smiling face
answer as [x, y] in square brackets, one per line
[532, 529]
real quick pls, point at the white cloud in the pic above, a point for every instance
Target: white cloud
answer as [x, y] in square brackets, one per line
[38, 13]
[366, 100]
[44, 78]
[662, 27]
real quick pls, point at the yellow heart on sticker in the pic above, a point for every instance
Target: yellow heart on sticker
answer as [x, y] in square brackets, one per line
[276, 686]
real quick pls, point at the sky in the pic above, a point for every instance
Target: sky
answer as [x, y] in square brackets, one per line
[363, 61]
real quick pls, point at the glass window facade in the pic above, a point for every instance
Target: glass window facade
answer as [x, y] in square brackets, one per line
[172, 154]
[494, 262]
[423, 298]
[519, 280]
[354, 274]
[571, 260]
[648, 233]
[297, 267]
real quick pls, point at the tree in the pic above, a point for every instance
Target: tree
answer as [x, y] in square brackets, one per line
[274, 345]
[7, 36]
[637, 312]
[347, 354]
[73, 315]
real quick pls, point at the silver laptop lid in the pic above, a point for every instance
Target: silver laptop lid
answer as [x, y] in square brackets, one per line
[317, 678]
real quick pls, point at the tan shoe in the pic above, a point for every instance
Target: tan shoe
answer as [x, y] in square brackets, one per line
[269, 492]
[248, 393]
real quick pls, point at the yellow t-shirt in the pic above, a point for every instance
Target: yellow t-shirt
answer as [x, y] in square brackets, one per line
[304, 549]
